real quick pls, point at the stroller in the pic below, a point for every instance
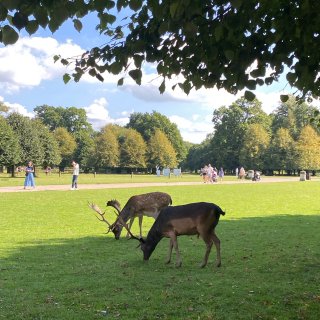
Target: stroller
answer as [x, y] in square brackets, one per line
[256, 176]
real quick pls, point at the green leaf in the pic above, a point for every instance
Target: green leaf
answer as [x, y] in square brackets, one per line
[284, 97]
[56, 58]
[11, 4]
[136, 75]
[162, 87]
[3, 13]
[120, 82]
[115, 67]
[32, 27]
[291, 77]
[77, 24]
[229, 54]
[135, 5]
[250, 96]
[93, 72]
[66, 78]
[41, 16]
[218, 32]
[19, 20]
[65, 62]
[9, 35]
[173, 8]
[99, 77]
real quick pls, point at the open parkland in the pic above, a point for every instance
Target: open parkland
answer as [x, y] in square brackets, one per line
[57, 262]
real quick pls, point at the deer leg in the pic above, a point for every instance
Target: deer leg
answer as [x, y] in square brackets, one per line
[170, 251]
[206, 256]
[174, 241]
[140, 225]
[129, 227]
[216, 241]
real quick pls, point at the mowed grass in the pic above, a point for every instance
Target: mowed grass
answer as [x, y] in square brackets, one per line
[65, 178]
[58, 263]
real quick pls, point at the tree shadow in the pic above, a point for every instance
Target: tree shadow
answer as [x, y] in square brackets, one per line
[91, 277]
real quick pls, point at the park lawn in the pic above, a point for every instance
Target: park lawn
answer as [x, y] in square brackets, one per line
[57, 262]
[65, 179]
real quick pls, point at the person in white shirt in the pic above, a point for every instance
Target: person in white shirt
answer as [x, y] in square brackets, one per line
[75, 175]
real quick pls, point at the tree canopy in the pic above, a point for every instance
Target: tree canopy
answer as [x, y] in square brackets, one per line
[233, 45]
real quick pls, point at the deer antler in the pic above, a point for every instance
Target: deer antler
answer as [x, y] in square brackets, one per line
[98, 210]
[116, 205]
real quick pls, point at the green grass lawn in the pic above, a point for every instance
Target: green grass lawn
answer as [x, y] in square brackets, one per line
[65, 178]
[58, 263]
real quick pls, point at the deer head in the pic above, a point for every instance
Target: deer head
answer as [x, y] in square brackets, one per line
[115, 227]
[119, 221]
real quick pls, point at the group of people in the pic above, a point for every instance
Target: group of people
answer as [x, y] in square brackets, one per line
[29, 180]
[211, 174]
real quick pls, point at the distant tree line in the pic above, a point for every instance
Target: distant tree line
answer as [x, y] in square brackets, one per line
[244, 135]
[56, 135]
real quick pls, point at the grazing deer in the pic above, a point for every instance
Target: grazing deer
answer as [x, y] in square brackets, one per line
[198, 218]
[149, 204]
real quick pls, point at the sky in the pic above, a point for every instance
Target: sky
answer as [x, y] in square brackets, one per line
[30, 78]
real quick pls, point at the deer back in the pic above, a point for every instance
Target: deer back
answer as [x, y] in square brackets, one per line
[193, 218]
[149, 204]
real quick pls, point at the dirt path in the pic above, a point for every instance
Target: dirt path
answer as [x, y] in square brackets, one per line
[136, 185]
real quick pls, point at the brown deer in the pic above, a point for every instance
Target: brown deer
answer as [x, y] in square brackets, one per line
[148, 204]
[198, 218]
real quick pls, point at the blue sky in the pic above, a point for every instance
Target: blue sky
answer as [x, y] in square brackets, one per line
[29, 78]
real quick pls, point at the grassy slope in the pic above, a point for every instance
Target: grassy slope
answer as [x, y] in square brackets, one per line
[56, 263]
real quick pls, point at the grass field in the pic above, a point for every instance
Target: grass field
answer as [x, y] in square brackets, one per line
[58, 263]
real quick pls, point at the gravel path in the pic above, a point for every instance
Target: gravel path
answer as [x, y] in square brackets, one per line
[135, 185]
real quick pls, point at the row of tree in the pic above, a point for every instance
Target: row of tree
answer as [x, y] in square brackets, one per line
[57, 135]
[244, 135]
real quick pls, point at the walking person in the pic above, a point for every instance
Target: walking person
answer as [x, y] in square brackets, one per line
[221, 174]
[75, 175]
[29, 179]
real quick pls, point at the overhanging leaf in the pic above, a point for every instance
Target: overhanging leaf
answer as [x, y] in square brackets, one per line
[250, 96]
[66, 78]
[9, 35]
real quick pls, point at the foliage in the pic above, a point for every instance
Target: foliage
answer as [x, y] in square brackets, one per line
[9, 144]
[225, 44]
[230, 125]
[29, 139]
[73, 119]
[160, 151]
[293, 116]
[50, 145]
[281, 154]
[308, 149]
[255, 145]
[67, 144]
[147, 123]
[107, 151]
[3, 108]
[133, 150]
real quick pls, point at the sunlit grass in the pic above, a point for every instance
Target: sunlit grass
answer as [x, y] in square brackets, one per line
[58, 263]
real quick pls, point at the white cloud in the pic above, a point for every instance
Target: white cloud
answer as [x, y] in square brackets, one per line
[193, 131]
[98, 115]
[30, 61]
[16, 107]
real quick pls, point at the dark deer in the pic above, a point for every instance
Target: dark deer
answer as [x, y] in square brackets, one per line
[198, 218]
[149, 204]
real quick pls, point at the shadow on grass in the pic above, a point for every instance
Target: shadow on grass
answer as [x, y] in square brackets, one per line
[270, 270]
